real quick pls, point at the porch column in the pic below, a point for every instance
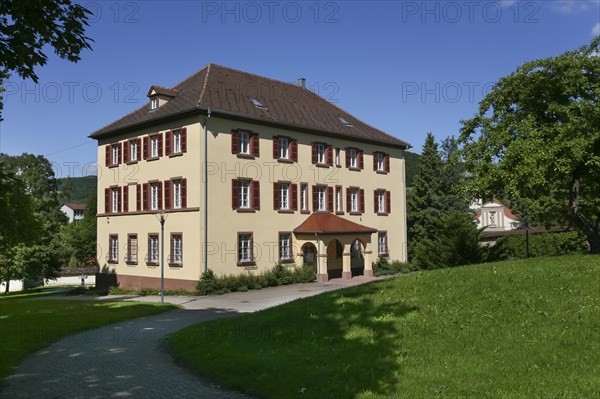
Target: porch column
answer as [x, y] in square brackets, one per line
[368, 266]
[346, 263]
[322, 276]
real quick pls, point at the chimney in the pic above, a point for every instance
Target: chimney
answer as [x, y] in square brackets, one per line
[302, 83]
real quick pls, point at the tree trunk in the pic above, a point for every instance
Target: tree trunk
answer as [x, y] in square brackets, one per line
[587, 226]
[7, 287]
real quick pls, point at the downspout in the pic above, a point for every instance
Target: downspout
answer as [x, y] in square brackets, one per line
[206, 190]
[318, 255]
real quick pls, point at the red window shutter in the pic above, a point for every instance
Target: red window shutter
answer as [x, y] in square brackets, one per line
[276, 204]
[139, 149]
[361, 163]
[168, 136]
[146, 194]
[255, 143]
[146, 139]
[251, 247]
[234, 143]
[315, 203]
[361, 194]
[330, 199]
[376, 202]
[275, 147]
[386, 163]
[294, 150]
[235, 202]
[375, 161]
[108, 160]
[138, 197]
[120, 152]
[160, 149]
[184, 193]
[314, 153]
[160, 197]
[388, 202]
[126, 199]
[294, 195]
[347, 158]
[184, 139]
[107, 200]
[256, 194]
[329, 153]
[126, 150]
[168, 185]
[348, 202]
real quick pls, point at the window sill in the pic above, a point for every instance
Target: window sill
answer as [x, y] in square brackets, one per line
[245, 210]
[355, 169]
[285, 211]
[152, 264]
[131, 263]
[177, 154]
[152, 159]
[112, 261]
[179, 265]
[285, 160]
[355, 213]
[287, 261]
[131, 162]
[113, 165]
[245, 156]
[247, 263]
[382, 213]
[305, 212]
[321, 165]
[382, 172]
[339, 213]
[386, 255]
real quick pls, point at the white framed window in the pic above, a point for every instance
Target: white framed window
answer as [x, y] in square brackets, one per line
[133, 150]
[380, 161]
[382, 243]
[284, 197]
[354, 200]
[380, 201]
[132, 248]
[153, 103]
[177, 142]
[352, 154]
[176, 249]
[284, 145]
[154, 146]
[320, 153]
[245, 248]
[304, 197]
[114, 192]
[337, 156]
[244, 193]
[154, 196]
[244, 143]
[177, 194]
[285, 246]
[321, 198]
[115, 154]
[113, 253]
[338, 199]
[153, 248]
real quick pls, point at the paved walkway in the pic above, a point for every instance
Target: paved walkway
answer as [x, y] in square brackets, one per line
[126, 360]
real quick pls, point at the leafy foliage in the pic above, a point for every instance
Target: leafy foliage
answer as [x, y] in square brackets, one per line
[383, 267]
[536, 141]
[27, 28]
[77, 190]
[542, 244]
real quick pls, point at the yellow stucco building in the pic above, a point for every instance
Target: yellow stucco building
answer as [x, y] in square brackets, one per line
[246, 172]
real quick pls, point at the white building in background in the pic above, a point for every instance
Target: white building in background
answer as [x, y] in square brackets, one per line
[73, 211]
[494, 216]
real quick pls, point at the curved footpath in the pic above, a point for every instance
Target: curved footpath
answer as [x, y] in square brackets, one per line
[126, 360]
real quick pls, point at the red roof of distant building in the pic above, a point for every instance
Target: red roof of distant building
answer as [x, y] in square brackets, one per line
[78, 207]
[330, 223]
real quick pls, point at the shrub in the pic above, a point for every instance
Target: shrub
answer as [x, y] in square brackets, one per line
[383, 267]
[207, 283]
[540, 244]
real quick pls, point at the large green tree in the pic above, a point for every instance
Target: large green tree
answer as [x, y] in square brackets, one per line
[536, 141]
[29, 27]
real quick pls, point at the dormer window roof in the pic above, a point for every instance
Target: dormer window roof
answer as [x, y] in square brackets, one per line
[160, 95]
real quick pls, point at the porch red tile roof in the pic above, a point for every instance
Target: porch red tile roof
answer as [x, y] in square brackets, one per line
[328, 223]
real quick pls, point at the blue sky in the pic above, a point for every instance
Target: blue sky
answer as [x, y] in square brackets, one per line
[406, 67]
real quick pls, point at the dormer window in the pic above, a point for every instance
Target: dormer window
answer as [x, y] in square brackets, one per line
[153, 103]
[159, 96]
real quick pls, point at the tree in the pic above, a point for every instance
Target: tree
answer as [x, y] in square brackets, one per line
[27, 27]
[536, 141]
[79, 239]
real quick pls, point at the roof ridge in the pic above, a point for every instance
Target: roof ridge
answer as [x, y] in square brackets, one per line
[204, 85]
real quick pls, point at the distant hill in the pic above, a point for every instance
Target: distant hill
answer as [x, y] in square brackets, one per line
[413, 162]
[76, 190]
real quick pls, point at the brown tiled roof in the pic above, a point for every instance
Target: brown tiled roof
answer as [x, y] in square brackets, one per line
[230, 93]
[330, 223]
[75, 206]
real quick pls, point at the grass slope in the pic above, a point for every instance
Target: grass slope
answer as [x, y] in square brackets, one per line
[28, 325]
[521, 329]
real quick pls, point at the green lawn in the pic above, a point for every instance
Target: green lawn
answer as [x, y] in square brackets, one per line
[27, 325]
[517, 329]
